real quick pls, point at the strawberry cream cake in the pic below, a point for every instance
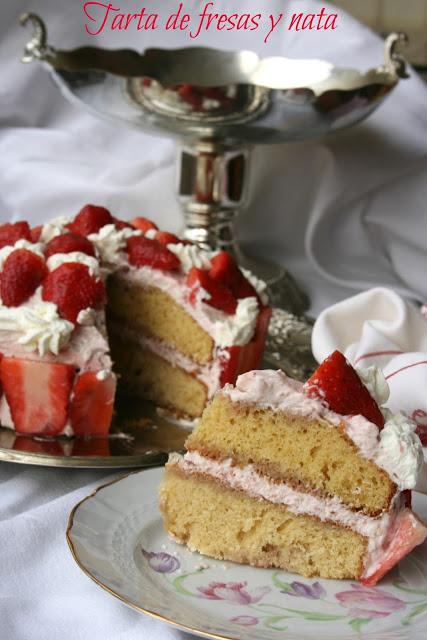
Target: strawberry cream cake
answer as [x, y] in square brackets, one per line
[89, 299]
[312, 478]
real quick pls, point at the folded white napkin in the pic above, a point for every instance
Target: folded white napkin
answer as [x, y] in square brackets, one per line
[378, 327]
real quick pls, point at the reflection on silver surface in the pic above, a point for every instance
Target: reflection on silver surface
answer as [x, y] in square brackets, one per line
[219, 104]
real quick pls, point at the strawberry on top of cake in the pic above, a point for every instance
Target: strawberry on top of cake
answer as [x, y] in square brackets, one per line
[179, 321]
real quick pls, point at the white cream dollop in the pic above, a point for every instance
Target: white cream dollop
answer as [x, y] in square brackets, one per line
[59, 259]
[191, 256]
[374, 380]
[41, 327]
[400, 452]
[54, 228]
[110, 241]
[259, 285]
[36, 248]
[238, 329]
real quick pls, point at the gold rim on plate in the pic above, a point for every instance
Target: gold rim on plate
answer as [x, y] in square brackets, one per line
[152, 614]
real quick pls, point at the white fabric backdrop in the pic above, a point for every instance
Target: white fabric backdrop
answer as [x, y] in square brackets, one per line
[343, 214]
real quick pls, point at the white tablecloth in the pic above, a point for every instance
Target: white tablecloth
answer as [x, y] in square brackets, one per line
[343, 213]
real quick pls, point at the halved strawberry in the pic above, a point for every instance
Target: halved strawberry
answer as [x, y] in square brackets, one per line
[11, 233]
[219, 296]
[72, 289]
[23, 271]
[145, 252]
[410, 532]
[337, 383]
[225, 269]
[91, 408]
[90, 219]
[143, 224]
[37, 394]
[36, 233]
[164, 237]
[68, 243]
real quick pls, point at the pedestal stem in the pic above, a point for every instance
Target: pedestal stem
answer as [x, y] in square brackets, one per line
[213, 187]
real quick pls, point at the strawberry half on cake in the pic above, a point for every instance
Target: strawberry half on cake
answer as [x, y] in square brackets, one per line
[180, 322]
[312, 478]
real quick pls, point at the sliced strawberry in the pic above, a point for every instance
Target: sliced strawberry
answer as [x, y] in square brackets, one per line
[143, 224]
[11, 233]
[121, 224]
[219, 296]
[145, 252]
[164, 237]
[68, 243]
[410, 532]
[23, 271]
[337, 383]
[36, 233]
[72, 289]
[90, 219]
[37, 394]
[225, 269]
[91, 408]
[1, 386]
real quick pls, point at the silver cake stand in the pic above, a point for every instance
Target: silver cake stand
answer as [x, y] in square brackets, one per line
[219, 104]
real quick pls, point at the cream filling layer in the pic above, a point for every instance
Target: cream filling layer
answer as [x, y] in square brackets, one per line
[376, 530]
[208, 374]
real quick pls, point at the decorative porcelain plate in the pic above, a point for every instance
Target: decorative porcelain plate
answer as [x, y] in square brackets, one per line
[117, 539]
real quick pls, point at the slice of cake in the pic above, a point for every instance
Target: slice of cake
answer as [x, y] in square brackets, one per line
[307, 478]
[180, 322]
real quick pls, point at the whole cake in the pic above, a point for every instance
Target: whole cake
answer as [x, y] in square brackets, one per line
[310, 478]
[87, 299]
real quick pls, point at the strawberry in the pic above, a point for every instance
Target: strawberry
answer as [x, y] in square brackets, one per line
[224, 269]
[145, 252]
[220, 296]
[143, 224]
[72, 289]
[36, 233]
[90, 219]
[337, 383]
[410, 532]
[91, 408]
[37, 394]
[69, 242]
[164, 237]
[121, 224]
[11, 233]
[23, 272]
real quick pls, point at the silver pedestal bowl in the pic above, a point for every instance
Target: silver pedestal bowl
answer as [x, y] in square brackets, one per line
[219, 104]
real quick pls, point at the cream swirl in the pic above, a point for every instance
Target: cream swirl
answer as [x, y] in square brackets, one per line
[110, 241]
[40, 327]
[58, 259]
[374, 380]
[238, 329]
[259, 285]
[400, 452]
[54, 228]
[190, 255]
